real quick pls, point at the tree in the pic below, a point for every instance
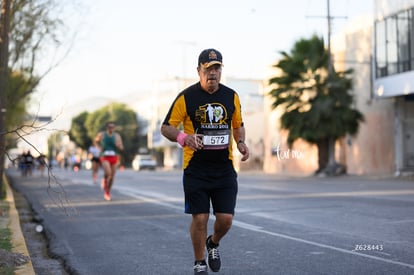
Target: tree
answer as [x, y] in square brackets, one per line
[317, 105]
[16, 97]
[93, 123]
[4, 59]
[27, 28]
[78, 132]
[34, 26]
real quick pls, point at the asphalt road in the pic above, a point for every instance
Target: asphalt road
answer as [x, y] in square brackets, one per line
[343, 225]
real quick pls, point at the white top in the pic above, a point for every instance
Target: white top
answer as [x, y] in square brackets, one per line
[95, 151]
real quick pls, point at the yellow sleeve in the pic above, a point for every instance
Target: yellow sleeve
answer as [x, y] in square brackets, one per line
[177, 113]
[237, 120]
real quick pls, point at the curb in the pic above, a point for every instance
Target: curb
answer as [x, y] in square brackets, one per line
[17, 238]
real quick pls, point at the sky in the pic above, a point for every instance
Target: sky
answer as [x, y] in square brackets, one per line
[125, 46]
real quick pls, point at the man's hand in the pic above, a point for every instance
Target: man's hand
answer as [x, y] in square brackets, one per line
[244, 150]
[194, 141]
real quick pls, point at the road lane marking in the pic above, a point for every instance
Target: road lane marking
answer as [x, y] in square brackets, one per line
[161, 199]
[151, 197]
[401, 221]
[284, 236]
[328, 194]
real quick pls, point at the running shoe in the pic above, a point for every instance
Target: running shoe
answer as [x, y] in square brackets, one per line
[107, 195]
[200, 268]
[214, 261]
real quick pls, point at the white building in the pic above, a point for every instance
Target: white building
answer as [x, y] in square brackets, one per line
[393, 73]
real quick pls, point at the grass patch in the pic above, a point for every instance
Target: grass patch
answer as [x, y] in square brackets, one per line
[6, 270]
[5, 242]
[5, 233]
[5, 239]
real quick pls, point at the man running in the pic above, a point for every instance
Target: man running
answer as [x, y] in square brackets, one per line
[211, 116]
[110, 143]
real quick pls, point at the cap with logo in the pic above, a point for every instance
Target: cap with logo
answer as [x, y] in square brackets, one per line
[210, 57]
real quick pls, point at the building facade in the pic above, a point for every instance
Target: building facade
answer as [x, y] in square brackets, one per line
[371, 151]
[393, 74]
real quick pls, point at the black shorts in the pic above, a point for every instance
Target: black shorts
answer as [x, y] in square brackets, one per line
[198, 192]
[96, 159]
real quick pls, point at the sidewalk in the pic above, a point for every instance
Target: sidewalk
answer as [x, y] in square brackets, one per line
[12, 221]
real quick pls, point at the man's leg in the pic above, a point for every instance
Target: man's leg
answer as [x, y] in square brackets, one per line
[198, 233]
[94, 171]
[107, 170]
[105, 181]
[221, 226]
[111, 176]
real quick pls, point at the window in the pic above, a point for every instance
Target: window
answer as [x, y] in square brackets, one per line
[411, 38]
[394, 44]
[403, 28]
[381, 46]
[392, 56]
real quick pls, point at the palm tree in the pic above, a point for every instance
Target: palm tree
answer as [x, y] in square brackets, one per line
[316, 104]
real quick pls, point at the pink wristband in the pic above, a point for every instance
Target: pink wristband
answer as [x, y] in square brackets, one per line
[181, 138]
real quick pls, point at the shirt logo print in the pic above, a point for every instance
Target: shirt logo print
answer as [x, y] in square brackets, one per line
[211, 114]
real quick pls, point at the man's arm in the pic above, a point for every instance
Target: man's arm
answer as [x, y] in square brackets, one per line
[239, 135]
[119, 143]
[170, 132]
[173, 134]
[98, 140]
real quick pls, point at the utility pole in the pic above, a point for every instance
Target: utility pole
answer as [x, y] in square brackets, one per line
[332, 165]
[329, 18]
[332, 168]
[4, 60]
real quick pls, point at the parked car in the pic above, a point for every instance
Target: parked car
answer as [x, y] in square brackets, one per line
[142, 162]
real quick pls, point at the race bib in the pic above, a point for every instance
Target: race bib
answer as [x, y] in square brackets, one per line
[109, 153]
[216, 139]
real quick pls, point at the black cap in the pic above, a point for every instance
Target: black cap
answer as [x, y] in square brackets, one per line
[210, 57]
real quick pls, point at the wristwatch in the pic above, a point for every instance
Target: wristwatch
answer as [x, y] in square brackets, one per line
[240, 141]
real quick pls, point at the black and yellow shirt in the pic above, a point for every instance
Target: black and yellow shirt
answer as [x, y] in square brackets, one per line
[212, 115]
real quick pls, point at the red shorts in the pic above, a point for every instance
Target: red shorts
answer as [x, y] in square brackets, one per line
[113, 160]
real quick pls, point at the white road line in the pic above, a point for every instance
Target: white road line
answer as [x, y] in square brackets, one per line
[151, 197]
[401, 221]
[259, 230]
[161, 199]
